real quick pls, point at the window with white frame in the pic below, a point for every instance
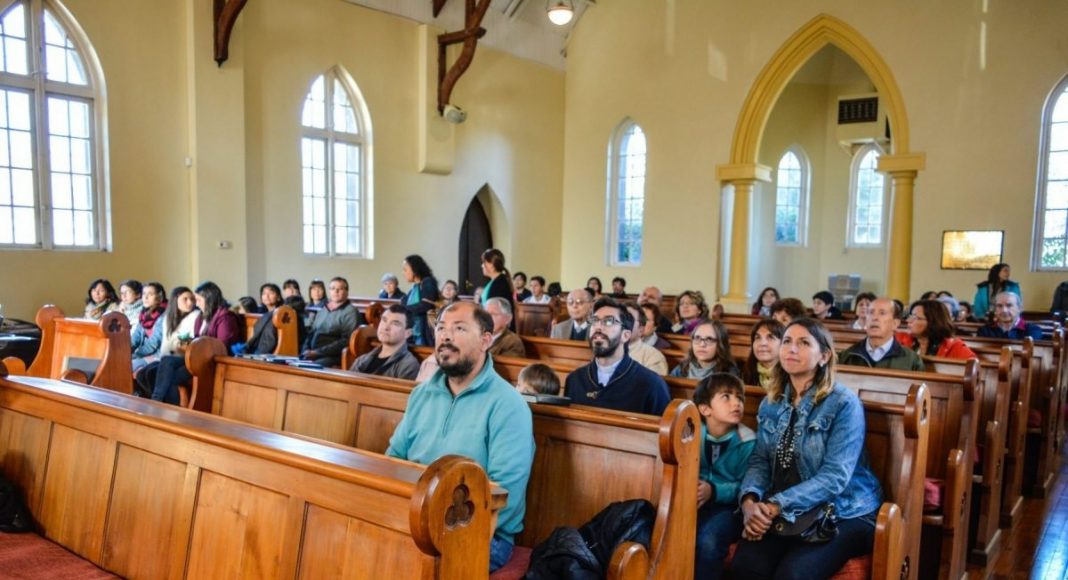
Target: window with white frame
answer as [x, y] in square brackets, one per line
[791, 198]
[867, 199]
[626, 195]
[336, 168]
[51, 162]
[1051, 219]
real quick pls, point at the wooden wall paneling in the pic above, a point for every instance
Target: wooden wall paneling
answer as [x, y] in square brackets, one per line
[23, 447]
[375, 425]
[336, 546]
[318, 416]
[251, 404]
[76, 490]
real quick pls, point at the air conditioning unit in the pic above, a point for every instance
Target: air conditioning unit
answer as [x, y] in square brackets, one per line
[861, 120]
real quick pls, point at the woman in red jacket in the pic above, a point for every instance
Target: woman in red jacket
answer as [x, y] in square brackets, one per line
[931, 332]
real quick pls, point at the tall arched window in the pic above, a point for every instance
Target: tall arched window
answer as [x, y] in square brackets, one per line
[336, 163]
[1051, 216]
[791, 198]
[626, 194]
[867, 199]
[52, 165]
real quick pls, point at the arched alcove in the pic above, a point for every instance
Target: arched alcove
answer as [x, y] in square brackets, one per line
[484, 226]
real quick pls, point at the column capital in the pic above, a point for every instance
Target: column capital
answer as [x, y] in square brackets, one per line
[911, 163]
[741, 172]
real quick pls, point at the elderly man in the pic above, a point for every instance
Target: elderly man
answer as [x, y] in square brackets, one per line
[466, 408]
[613, 380]
[879, 349]
[505, 342]
[333, 326]
[578, 309]
[1007, 320]
[391, 358]
[646, 355]
[653, 295]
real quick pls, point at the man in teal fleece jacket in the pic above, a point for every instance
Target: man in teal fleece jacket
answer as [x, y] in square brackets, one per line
[467, 409]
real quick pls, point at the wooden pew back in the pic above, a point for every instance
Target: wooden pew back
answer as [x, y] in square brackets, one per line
[535, 319]
[284, 319]
[106, 341]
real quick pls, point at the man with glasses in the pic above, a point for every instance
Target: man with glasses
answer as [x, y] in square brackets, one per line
[1007, 320]
[332, 326]
[578, 308]
[880, 350]
[613, 380]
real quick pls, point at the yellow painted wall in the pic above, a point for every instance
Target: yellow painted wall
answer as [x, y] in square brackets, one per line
[683, 68]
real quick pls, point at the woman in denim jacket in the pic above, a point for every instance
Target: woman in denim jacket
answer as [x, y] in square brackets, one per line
[809, 452]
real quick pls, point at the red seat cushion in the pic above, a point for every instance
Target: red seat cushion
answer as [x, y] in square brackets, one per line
[31, 556]
[855, 569]
[516, 567]
[932, 494]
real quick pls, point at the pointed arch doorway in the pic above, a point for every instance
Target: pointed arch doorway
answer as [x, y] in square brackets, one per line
[475, 237]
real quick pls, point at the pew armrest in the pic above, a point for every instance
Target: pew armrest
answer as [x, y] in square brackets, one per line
[955, 503]
[200, 361]
[630, 561]
[890, 559]
[675, 528]
[74, 376]
[14, 365]
[995, 453]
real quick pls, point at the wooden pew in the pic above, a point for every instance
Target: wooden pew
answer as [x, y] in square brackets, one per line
[231, 500]
[953, 415]
[284, 319]
[63, 339]
[986, 541]
[645, 456]
[535, 319]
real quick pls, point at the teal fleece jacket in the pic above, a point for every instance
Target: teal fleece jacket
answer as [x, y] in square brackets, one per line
[727, 472]
[488, 422]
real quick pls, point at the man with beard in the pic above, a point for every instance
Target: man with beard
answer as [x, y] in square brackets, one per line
[467, 409]
[614, 380]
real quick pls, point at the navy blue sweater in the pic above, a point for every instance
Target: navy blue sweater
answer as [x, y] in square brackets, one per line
[632, 388]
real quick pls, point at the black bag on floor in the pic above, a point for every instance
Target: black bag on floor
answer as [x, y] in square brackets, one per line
[584, 554]
[14, 515]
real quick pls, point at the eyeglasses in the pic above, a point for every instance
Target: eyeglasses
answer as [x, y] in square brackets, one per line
[914, 317]
[607, 322]
[704, 340]
[687, 303]
[576, 302]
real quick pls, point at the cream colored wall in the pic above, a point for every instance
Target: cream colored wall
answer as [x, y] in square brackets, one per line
[239, 125]
[683, 69]
[141, 49]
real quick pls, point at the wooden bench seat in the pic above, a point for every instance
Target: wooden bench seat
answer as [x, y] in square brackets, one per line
[284, 319]
[147, 490]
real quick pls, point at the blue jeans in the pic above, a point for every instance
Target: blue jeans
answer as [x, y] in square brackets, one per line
[500, 553]
[784, 558]
[718, 526]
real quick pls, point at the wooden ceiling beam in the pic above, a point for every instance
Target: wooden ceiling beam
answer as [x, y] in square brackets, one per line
[226, 13]
[474, 12]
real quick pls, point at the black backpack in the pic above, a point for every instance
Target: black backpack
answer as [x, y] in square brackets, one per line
[585, 553]
[14, 515]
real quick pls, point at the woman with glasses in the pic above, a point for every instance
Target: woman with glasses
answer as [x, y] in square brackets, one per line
[690, 309]
[931, 332]
[710, 352]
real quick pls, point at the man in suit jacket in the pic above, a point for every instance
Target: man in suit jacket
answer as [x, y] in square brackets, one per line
[505, 342]
[579, 304]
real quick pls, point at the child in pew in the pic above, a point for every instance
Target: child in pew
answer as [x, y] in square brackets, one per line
[538, 379]
[725, 449]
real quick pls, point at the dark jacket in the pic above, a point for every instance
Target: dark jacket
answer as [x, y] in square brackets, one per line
[500, 287]
[1060, 298]
[397, 295]
[224, 325]
[264, 336]
[401, 364]
[632, 388]
[299, 306]
[1021, 330]
[427, 293]
[899, 358]
[331, 330]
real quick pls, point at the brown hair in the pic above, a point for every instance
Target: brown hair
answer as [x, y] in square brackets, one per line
[823, 382]
[716, 383]
[723, 361]
[699, 300]
[939, 325]
[749, 371]
[541, 378]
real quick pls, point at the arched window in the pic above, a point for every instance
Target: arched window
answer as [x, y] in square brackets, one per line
[626, 195]
[791, 198]
[336, 163]
[1051, 216]
[867, 199]
[52, 165]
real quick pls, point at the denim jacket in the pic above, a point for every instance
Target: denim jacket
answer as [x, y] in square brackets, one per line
[832, 462]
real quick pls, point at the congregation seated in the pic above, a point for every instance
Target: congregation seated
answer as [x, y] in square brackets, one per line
[596, 289]
[391, 358]
[520, 292]
[538, 379]
[246, 305]
[650, 329]
[176, 326]
[576, 327]
[130, 302]
[964, 314]
[823, 307]
[931, 332]
[787, 310]
[467, 409]
[613, 380]
[795, 472]
[100, 299]
[710, 352]
[1007, 320]
[690, 310]
[861, 305]
[880, 349]
[264, 337]
[537, 291]
[505, 342]
[653, 295]
[986, 292]
[449, 293]
[293, 299]
[421, 298]
[762, 306]
[317, 299]
[619, 288]
[147, 334]
[648, 356]
[765, 338]
[332, 326]
[390, 288]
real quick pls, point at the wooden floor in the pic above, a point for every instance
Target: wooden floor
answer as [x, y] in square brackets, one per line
[1038, 547]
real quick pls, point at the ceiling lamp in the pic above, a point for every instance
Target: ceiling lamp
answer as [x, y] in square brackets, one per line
[561, 11]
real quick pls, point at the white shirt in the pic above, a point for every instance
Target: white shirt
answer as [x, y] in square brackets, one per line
[878, 353]
[604, 374]
[545, 299]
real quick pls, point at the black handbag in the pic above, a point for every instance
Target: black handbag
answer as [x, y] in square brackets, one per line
[815, 526]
